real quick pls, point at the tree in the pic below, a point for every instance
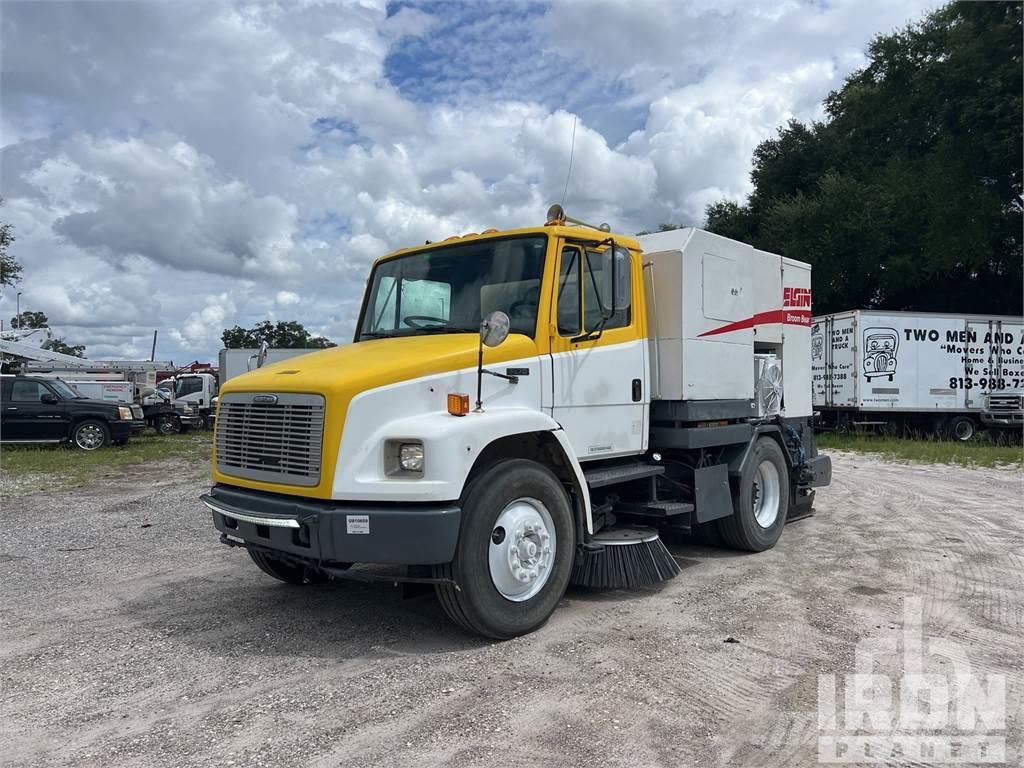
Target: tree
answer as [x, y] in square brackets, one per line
[30, 320]
[10, 269]
[59, 345]
[908, 195]
[282, 335]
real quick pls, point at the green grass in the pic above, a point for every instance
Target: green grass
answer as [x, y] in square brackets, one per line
[49, 467]
[980, 452]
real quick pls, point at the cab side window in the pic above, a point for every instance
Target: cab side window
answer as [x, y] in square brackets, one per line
[27, 391]
[569, 295]
[597, 289]
[585, 287]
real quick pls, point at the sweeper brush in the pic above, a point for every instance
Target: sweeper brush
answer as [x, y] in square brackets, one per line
[630, 558]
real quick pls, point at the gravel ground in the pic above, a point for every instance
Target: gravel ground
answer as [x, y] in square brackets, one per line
[130, 637]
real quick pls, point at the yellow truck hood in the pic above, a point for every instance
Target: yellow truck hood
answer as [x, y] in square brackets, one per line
[341, 373]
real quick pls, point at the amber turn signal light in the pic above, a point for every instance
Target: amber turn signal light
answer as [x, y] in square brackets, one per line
[458, 404]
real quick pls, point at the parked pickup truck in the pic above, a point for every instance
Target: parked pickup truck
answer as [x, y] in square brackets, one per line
[38, 410]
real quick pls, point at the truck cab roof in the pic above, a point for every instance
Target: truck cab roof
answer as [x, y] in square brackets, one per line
[582, 233]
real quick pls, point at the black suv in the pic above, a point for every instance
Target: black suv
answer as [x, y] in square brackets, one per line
[37, 410]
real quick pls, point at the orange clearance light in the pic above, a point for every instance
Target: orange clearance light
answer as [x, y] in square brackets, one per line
[490, 231]
[458, 404]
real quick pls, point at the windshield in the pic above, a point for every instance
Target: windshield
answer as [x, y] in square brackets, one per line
[188, 385]
[66, 391]
[449, 290]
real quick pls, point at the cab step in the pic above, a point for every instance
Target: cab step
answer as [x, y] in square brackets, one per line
[621, 473]
[655, 510]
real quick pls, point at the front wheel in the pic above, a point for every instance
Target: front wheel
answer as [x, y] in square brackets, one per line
[760, 500]
[516, 546]
[90, 435]
[168, 425]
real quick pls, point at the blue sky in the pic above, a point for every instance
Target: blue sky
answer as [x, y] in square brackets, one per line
[190, 166]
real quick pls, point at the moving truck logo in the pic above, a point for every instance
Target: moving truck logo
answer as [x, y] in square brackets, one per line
[817, 343]
[880, 345]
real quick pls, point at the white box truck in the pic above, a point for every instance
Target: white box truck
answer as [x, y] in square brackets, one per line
[526, 408]
[945, 373]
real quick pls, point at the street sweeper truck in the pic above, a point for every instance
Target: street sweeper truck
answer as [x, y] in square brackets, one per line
[527, 408]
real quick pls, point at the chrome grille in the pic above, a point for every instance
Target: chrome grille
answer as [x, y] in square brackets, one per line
[1002, 403]
[273, 437]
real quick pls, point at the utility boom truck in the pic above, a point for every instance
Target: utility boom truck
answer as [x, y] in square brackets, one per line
[525, 408]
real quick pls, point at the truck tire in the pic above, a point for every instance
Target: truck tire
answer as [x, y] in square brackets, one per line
[760, 500]
[961, 428]
[90, 434]
[284, 571]
[168, 424]
[516, 546]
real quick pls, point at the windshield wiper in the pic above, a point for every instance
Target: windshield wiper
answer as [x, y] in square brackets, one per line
[446, 329]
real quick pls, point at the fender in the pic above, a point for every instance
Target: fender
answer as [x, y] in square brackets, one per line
[740, 456]
[451, 445]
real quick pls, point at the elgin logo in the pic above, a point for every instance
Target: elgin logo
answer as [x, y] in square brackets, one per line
[796, 297]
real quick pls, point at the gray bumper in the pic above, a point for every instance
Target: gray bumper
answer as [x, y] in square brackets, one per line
[337, 532]
[1002, 419]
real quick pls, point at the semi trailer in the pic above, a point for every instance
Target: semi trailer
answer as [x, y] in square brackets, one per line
[527, 408]
[949, 374]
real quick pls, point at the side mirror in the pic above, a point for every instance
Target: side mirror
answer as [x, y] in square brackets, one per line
[49, 398]
[494, 328]
[261, 356]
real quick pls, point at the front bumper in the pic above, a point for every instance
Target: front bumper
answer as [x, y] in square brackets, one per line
[1002, 418]
[337, 532]
[123, 428]
[190, 421]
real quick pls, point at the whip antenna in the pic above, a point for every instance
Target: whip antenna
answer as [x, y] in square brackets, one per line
[572, 148]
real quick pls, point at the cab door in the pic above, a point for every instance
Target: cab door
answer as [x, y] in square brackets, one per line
[33, 412]
[599, 352]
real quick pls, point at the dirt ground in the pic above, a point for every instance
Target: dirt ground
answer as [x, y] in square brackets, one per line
[131, 637]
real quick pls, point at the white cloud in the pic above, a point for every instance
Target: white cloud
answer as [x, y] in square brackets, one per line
[190, 167]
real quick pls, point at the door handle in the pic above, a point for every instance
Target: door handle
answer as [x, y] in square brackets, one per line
[637, 391]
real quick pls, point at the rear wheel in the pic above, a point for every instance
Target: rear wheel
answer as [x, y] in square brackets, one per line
[760, 501]
[515, 551]
[90, 435]
[961, 428]
[284, 571]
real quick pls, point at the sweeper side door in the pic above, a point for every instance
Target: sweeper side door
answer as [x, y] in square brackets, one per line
[599, 353]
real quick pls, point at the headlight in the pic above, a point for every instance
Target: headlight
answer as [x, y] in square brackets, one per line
[410, 457]
[124, 412]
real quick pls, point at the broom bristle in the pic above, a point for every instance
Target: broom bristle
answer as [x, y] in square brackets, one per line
[631, 562]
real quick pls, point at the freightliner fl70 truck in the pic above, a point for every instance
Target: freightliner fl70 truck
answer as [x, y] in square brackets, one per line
[527, 407]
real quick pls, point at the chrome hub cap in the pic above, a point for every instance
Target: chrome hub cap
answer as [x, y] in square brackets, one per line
[522, 549]
[89, 437]
[766, 491]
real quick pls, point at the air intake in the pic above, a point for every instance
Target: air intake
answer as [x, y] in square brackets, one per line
[274, 437]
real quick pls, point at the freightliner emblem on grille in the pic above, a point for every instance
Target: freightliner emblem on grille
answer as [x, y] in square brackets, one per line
[265, 399]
